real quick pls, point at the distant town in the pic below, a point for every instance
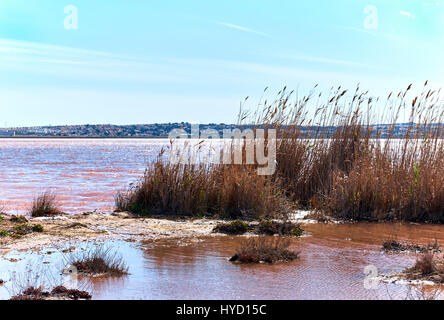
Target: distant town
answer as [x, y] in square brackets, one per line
[156, 130]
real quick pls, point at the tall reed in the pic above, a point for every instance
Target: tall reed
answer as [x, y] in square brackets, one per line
[331, 155]
[227, 191]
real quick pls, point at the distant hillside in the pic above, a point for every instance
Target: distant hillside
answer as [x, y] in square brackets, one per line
[159, 130]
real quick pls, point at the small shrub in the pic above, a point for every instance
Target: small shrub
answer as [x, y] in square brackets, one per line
[37, 228]
[262, 249]
[235, 227]
[425, 264]
[297, 232]
[32, 293]
[45, 205]
[1, 219]
[270, 227]
[72, 294]
[99, 260]
[18, 219]
[393, 245]
[4, 233]
[22, 229]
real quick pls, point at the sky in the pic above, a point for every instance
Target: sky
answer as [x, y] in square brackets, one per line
[142, 61]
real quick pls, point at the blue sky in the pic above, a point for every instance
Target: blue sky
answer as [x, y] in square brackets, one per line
[145, 61]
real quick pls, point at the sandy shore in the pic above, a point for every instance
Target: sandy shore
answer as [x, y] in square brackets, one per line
[68, 228]
[101, 226]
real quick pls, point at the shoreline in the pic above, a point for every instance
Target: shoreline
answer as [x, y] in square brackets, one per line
[98, 137]
[123, 226]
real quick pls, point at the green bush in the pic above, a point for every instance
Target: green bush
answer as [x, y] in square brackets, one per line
[4, 233]
[37, 228]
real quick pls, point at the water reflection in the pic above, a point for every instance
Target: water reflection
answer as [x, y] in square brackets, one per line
[331, 266]
[84, 173]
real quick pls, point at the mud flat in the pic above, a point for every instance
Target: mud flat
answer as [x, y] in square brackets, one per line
[102, 226]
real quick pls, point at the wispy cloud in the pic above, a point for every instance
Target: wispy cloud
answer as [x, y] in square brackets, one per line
[376, 33]
[45, 59]
[241, 28]
[407, 14]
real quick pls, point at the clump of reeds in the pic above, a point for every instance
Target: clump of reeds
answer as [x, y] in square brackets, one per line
[333, 157]
[45, 205]
[264, 249]
[283, 228]
[425, 264]
[236, 227]
[393, 245]
[215, 190]
[428, 266]
[97, 261]
[59, 292]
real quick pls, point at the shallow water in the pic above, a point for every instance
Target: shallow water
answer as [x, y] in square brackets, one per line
[85, 174]
[331, 266]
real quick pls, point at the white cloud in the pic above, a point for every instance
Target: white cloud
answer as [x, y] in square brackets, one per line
[45, 59]
[241, 28]
[407, 14]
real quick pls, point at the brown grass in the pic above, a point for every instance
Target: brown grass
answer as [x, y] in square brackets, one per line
[356, 170]
[284, 228]
[264, 249]
[330, 157]
[393, 245]
[45, 205]
[98, 260]
[58, 292]
[425, 264]
[264, 227]
[227, 191]
[236, 227]
[428, 266]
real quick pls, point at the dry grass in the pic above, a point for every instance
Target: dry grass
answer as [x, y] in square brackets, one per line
[98, 260]
[45, 205]
[330, 157]
[264, 249]
[227, 191]
[393, 245]
[236, 227]
[356, 170]
[425, 264]
[265, 227]
[58, 293]
[38, 282]
[285, 228]
[428, 266]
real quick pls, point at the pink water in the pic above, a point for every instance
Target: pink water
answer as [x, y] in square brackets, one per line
[85, 174]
